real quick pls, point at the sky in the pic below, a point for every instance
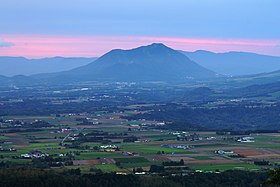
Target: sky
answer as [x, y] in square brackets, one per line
[90, 28]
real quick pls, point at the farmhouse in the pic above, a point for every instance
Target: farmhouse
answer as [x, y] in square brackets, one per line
[245, 139]
[222, 152]
[108, 148]
[175, 146]
[34, 154]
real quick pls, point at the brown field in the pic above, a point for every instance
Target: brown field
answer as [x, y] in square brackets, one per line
[94, 162]
[86, 162]
[247, 152]
[12, 134]
[47, 141]
[195, 162]
[19, 141]
[265, 156]
[107, 161]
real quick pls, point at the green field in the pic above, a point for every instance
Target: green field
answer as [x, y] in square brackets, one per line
[202, 158]
[199, 155]
[131, 160]
[223, 167]
[147, 149]
[107, 167]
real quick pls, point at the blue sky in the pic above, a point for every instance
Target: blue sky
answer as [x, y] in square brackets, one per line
[256, 20]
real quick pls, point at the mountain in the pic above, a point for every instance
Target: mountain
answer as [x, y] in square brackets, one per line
[155, 62]
[246, 80]
[11, 66]
[257, 90]
[235, 63]
[18, 80]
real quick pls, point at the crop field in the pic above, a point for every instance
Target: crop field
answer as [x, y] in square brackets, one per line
[117, 145]
[223, 167]
[131, 160]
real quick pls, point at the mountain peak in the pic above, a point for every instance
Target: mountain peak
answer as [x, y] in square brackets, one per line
[154, 49]
[151, 62]
[157, 45]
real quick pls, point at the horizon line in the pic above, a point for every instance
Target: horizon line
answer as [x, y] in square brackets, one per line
[43, 46]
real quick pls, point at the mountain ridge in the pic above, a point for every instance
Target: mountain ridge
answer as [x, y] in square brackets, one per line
[11, 66]
[153, 62]
[235, 63]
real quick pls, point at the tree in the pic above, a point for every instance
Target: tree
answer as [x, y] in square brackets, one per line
[182, 162]
[118, 163]
[156, 169]
[274, 177]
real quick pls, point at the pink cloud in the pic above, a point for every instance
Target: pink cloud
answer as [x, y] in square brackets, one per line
[46, 46]
[5, 44]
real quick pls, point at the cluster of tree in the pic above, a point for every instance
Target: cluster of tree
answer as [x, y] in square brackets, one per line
[229, 118]
[274, 179]
[227, 178]
[97, 136]
[7, 164]
[83, 121]
[130, 139]
[43, 162]
[156, 169]
[44, 178]
[49, 161]
[174, 163]
[246, 132]
[15, 130]
[236, 156]
[262, 163]
[39, 124]
[45, 107]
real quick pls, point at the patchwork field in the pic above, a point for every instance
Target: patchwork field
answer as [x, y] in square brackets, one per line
[117, 145]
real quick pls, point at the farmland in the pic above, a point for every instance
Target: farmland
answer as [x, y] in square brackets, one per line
[106, 142]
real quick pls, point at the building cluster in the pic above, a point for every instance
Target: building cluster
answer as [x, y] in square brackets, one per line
[245, 139]
[108, 148]
[176, 146]
[223, 152]
[34, 154]
[186, 136]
